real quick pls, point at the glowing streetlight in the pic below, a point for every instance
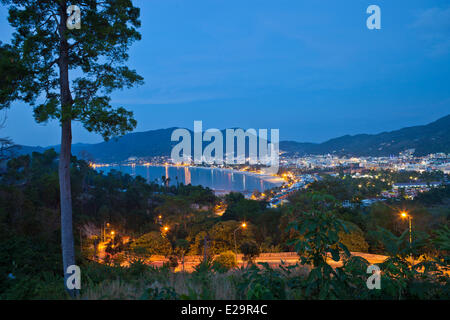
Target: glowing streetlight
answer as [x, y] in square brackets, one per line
[105, 226]
[243, 226]
[405, 215]
[112, 237]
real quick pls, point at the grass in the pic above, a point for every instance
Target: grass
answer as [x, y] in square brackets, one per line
[152, 283]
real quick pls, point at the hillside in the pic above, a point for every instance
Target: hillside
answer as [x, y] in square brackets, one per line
[430, 138]
[425, 139]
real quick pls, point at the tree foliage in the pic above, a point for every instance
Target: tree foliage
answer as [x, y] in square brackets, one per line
[96, 54]
[152, 243]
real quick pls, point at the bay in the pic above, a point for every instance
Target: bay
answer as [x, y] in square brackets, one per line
[220, 180]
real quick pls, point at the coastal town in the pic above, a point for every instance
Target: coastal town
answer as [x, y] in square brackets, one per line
[297, 173]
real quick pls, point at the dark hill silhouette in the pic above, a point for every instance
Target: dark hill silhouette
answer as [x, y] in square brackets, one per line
[431, 138]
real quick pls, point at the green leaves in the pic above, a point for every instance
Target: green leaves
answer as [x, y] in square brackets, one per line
[262, 283]
[319, 236]
[13, 76]
[48, 110]
[100, 117]
[399, 245]
[151, 243]
[250, 250]
[165, 293]
[442, 239]
[318, 239]
[43, 50]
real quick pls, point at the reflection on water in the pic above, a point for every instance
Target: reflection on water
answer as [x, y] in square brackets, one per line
[217, 179]
[187, 176]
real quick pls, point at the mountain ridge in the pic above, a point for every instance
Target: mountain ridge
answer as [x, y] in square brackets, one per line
[429, 138]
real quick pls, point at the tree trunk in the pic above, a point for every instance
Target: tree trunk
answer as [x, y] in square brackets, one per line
[66, 199]
[68, 253]
[183, 260]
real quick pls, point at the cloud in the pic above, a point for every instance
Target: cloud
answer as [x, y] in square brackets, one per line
[168, 99]
[433, 26]
[437, 19]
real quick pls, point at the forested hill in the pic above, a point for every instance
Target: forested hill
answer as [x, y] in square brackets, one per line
[425, 139]
[138, 144]
[430, 138]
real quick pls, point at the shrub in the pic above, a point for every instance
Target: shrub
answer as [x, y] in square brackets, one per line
[165, 293]
[173, 262]
[151, 243]
[261, 284]
[250, 250]
[226, 260]
[354, 240]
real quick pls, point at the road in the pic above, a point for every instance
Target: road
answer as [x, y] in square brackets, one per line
[273, 259]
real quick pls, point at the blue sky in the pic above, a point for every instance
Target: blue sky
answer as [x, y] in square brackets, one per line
[310, 68]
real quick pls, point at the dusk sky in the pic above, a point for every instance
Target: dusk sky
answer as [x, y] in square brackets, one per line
[310, 68]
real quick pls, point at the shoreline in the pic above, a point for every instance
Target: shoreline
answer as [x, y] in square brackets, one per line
[265, 177]
[277, 181]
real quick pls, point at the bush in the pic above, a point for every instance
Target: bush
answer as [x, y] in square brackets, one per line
[165, 293]
[250, 250]
[30, 268]
[262, 284]
[226, 260]
[354, 240]
[151, 243]
[173, 262]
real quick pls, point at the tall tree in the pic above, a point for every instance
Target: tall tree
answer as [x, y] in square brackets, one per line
[68, 73]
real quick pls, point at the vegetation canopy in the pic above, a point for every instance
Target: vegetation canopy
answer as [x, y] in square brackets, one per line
[67, 74]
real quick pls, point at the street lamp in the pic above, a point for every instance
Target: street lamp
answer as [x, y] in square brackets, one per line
[405, 215]
[105, 226]
[243, 226]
